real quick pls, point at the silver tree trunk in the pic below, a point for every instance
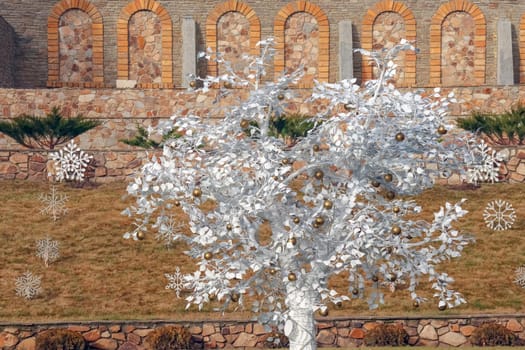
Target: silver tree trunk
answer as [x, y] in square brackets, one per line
[300, 325]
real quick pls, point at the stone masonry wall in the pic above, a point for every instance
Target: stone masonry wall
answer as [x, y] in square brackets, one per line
[233, 41]
[29, 17]
[7, 54]
[121, 110]
[341, 332]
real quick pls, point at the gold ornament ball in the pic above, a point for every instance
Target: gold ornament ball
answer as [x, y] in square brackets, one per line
[319, 220]
[339, 304]
[197, 192]
[316, 148]
[235, 297]
[355, 291]
[280, 97]
[208, 255]
[212, 297]
[292, 241]
[392, 278]
[327, 204]
[285, 161]
[228, 85]
[396, 230]
[375, 183]
[229, 227]
[388, 177]
[375, 278]
[400, 137]
[390, 195]
[177, 203]
[315, 224]
[442, 307]
[396, 209]
[272, 271]
[292, 277]
[323, 312]
[296, 220]
[244, 124]
[193, 84]
[141, 235]
[319, 175]
[415, 303]
[275, 178]
[441, 130]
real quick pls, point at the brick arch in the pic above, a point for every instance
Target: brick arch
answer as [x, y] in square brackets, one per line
[211, 28]
[324, 36]
[53, 45]
[166, 34]
[410, 34]
[479, 39]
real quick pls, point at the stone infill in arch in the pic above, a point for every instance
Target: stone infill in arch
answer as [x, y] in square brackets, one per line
[97, 50]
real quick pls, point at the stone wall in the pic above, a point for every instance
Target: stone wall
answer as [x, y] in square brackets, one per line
[29, 17]
[341, 332]
[233, 41]
[7, 54]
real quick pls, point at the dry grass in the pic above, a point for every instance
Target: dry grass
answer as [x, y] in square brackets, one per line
[102, 276]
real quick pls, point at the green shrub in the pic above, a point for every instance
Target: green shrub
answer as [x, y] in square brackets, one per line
[169, 338]
[59, 339]
[386, 335]
[142, 139]
[47, 132]
[493, 334]
[503, 129]
[288, 127]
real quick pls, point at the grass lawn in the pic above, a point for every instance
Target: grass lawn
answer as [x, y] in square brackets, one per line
[100, 275]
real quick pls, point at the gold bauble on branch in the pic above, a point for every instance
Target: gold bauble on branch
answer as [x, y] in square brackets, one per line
[197, 192]
[339, 304]
[285, 161]
[316, 148]
[292, 240]
[396, 209]
[441, 130]
[375, 278]
[355, 291]
[280, 97]
[392, 278]
[235, 297]
[296, 220]
[177, 203]
[229, 227]
[228, 85]
[319, 174]
[292, 277]
[396, 230]
[193, 84]
[442, 307]
[275, 178]
[208, 255]
[388, 177]
[141, 235]
[415, 303]
[315, 224]
[400, 137]
[319, 220]
[390, 195]
[328, 204]
[375, 183]
[323, 312]
[244, 124]
[272, 271]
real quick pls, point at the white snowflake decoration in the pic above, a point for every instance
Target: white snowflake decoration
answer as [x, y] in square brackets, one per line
[168, 229]
[499, 215]
[70, 163]
[175, 281]
[28, 285]
[520, 276]
[54, 204]
[47, 250]
[483, 163]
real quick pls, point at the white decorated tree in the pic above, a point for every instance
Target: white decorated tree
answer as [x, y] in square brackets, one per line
[282, 220]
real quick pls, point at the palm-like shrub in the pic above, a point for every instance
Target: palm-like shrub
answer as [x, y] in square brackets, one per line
[47, 132]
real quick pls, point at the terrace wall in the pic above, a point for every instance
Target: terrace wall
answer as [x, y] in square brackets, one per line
[340, 332]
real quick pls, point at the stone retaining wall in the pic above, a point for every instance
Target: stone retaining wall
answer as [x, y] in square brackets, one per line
[341, 332]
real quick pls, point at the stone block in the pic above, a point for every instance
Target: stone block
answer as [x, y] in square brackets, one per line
[245, 340]
[133, 338]
[505, 63]
[142, 332]
[514, 325]
[453, 339]
[128, 346]
[92, 335]
[357, 333]
[27, 344]
[7, 340]
[325, 337]
[346, 50]
[126, 84]
[104, 344]
[428, 333]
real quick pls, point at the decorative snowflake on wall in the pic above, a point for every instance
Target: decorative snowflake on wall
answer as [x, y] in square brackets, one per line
[520, 276]
[499, 215]
[47, 250]
[28, 285]
[483, 163]
[70, 163]
[175, 281]
[54, 204]
[168, 230]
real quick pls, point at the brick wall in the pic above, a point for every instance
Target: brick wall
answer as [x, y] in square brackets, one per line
[29, 17]
[7, 54]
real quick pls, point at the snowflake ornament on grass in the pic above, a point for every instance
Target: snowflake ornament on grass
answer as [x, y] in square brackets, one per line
[28, 285]
[47, 250]
[175, 281]
[499, 215]
[483, 162]
[520, 276]
[168, 229]
[70, 163]
[54, 204]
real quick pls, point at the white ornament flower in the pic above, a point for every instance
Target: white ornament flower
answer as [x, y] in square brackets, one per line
[175, 281]
[28, 285]
[70, 162]
[54, 204]
[47, 250]
[499, 215]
